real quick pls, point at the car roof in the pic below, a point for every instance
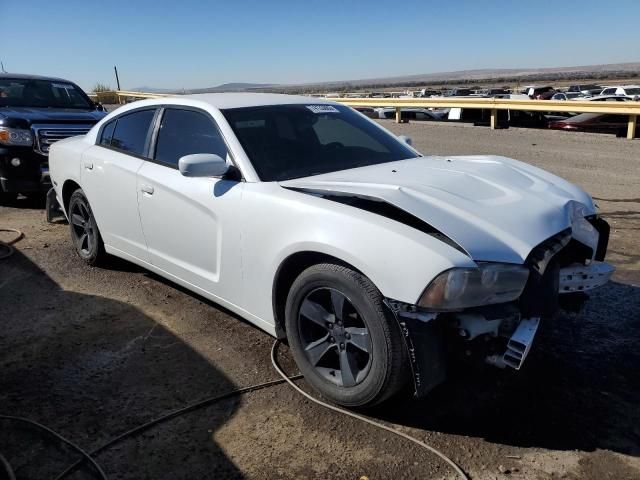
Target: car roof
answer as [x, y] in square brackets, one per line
[600, 97]
[241, 100]
[26, 76]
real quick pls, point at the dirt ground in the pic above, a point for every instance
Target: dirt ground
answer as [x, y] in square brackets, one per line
[92, 352]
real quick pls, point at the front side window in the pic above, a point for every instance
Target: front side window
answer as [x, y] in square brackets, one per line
[131, 130]
[184, 132]
[293, 141]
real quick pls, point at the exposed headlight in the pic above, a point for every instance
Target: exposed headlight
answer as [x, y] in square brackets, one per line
[15, 136]
[473, 287]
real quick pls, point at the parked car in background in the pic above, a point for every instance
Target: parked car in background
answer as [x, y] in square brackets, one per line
[429, 93]
[541, 93]
[458, 92]
[368, 111]
[408, 113]
[585, 89]
[317, 225]
[610, 98]
[596, 123]
[36, 112]
[567, 96]
[624, 90]
[506, 118]
[496, 92]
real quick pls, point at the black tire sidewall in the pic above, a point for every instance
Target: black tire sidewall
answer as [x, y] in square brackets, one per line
[95, 254]
[368, 303]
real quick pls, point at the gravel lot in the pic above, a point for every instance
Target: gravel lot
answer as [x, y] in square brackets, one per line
[93, 352]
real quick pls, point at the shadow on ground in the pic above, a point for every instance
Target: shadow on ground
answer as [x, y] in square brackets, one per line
[91, 368]
[578, 390]
[31, 202]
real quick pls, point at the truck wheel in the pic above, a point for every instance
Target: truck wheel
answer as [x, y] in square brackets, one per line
[344, 341]
[84, 230]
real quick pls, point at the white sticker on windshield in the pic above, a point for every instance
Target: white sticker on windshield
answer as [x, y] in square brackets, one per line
[323, 109]
[62, 85]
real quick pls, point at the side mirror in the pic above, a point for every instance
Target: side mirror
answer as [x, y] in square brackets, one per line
[405, 139]
[100, 107]
[203, 165]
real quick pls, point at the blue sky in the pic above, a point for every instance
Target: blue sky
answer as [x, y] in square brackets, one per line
[188, 44]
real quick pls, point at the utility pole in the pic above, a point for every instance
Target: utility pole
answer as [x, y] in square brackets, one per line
[117, 79]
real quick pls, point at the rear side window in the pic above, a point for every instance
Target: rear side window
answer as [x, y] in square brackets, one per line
[184, 132]
[107, 133]
[130, 134]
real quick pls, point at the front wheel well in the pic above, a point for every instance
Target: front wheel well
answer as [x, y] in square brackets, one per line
[289, 270]
[67, 190]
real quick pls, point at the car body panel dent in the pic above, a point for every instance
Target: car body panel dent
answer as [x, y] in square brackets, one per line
[478, 201]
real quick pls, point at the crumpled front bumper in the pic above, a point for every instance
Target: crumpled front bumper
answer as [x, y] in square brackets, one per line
[581, 278]
[560, 269]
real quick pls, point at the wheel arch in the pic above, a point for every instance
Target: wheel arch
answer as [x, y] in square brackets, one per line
[68, 188]
[288, 270]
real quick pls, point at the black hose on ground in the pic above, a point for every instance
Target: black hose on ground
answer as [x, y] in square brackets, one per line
[6, 248]
[88, 456]
[7, 468]
[84, 454]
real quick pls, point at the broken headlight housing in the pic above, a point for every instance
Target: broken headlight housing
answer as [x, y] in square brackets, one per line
[487, 284]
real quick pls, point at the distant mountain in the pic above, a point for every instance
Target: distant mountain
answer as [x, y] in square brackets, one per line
[513, 75]
[506, 74]
[225, 87]
[232, 87]
[154, 90]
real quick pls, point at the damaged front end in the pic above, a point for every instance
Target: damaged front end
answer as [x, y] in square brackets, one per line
[560, 270]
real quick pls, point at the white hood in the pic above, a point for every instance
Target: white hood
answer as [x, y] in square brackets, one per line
[496, 208]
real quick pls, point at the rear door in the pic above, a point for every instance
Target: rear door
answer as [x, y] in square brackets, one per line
[190, 224]
[108, 176]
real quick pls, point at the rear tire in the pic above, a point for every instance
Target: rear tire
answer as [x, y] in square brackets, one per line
[84, 230]
[343, 338]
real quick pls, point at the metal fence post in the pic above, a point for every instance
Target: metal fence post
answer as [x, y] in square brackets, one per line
[494, 118]
[631, 129]
[398, 115]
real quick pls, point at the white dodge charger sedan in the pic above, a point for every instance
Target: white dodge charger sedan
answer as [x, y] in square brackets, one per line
[319, 226]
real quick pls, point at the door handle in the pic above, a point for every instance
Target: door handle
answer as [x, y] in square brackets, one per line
[88, 165]
[144, 188]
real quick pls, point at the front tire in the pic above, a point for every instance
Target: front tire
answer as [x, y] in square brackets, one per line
[343, 339]
[84, 230]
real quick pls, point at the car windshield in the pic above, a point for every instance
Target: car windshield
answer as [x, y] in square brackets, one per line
[28, 92]
[292, 141]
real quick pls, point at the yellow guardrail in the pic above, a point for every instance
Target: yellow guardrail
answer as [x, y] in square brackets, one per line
[632, 109]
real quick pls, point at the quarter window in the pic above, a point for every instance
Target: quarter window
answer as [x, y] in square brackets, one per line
[130, 134]
[107, 133]
[184, 132]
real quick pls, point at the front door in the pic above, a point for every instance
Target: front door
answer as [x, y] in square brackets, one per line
[190, 223]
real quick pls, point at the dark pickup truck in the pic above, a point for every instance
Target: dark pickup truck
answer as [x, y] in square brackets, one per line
[34, 113]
